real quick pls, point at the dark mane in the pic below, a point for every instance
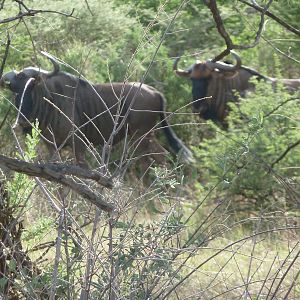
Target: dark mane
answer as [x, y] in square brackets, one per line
[81, 81]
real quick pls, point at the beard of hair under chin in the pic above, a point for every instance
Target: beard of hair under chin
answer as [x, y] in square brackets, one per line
[199, 91]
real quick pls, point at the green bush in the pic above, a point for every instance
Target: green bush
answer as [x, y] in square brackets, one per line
[242, 160]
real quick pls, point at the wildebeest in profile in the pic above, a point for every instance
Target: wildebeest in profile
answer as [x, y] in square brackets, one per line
[214, 84]
[73, 112]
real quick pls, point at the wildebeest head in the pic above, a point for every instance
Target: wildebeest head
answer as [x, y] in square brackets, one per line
[21, 83]
[201, 73]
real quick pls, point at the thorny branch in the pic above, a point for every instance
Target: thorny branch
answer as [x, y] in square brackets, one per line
[57, 257]
[287, 150]
[88, 7]
[228, 246]
[274, 17]
[55, 173]
[280, 105]
[32, 12]
[2, 4]
[1, 72]
[212, 5]
[5, 54]
[5, 118]
[62, 168]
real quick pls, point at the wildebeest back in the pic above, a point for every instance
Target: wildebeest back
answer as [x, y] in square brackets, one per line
[95, 110]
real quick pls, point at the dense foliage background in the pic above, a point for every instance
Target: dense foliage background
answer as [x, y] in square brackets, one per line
[236, 188]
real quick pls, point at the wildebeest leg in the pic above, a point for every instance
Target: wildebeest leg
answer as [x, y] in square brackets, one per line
[54, 155]
[224, 125]
[157, 151]
[146, 163]
[150, 151]
[79, 157]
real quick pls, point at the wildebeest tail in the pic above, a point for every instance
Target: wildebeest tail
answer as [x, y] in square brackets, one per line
[177, 146]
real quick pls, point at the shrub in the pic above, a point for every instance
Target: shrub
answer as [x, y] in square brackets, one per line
[243, 160]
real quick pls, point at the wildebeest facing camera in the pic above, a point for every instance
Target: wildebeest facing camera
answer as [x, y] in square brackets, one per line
[218, 81]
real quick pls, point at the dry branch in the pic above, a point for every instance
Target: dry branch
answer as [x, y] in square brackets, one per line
[32, 12]
[280, 105]
[5, 118]
[287, 150]
[55, 173]
[212, 5]
[274, 17]
[173, 288]
[5, 54]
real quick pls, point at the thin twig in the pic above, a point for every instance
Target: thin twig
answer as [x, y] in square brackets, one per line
[296, 279]
[33, 12]
[90, 261]
[287, 150]
[279, 269]
[284, 275]
[5, 118]
[274, 17]
[216, 254]
[212, 5]
[5, 54]
[266, 277]
[88, 7]
[57, 256]
[280, 105]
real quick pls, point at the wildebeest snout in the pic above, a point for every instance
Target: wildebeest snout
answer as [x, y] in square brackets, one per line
[8, 80]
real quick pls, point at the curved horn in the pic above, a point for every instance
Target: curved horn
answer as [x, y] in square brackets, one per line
[180, 72]
[225, 67]
[54, 62]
